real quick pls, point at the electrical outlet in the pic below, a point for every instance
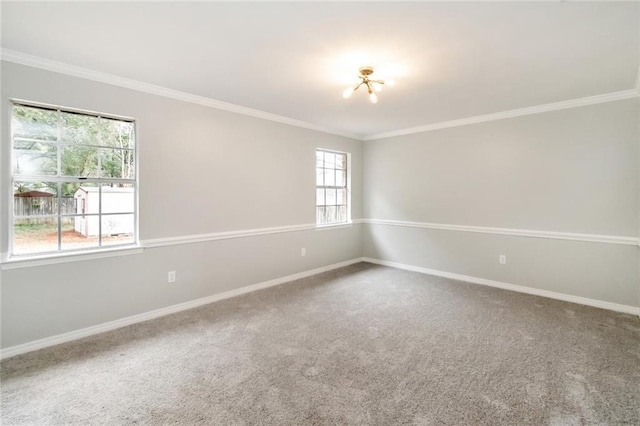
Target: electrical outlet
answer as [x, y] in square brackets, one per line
[502, 259]
[171, 277]
[303, 252]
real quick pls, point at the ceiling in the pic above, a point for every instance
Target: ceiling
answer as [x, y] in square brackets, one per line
[450, 60]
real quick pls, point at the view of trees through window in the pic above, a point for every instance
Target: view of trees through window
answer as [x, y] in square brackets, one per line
[331, 187]
[73, 177]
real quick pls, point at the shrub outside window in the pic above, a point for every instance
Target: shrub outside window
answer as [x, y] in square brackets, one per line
[73, 180]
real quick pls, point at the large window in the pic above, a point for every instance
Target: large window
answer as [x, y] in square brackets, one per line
[332, 187]
[73, 180]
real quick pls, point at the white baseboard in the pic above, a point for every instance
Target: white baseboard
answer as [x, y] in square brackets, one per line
[513, 287]
[123, 322]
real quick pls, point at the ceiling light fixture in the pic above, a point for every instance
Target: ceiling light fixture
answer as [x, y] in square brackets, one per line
[372, 85]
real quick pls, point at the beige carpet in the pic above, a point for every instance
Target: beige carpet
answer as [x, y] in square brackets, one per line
[361, 345]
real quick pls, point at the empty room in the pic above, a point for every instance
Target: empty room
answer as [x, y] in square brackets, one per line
[320, 213]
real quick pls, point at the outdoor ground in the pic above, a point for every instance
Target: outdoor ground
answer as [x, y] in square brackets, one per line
[43, 237]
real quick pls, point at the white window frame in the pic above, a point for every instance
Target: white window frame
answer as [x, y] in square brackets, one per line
[59, 179]
[347, 187]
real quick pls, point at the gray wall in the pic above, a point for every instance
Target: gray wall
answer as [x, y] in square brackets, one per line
[202, 171]
[568, 171]
[573, 170]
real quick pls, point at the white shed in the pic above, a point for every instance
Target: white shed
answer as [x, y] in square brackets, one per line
[114, 200]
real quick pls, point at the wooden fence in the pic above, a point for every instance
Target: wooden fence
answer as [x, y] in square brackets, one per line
[38, 206]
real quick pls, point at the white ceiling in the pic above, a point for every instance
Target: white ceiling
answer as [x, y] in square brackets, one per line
[450, 60]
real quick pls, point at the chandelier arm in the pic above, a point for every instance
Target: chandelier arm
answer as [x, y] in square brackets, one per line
[365, 72]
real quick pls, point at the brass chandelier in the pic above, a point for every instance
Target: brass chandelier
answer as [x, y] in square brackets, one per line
[371, 85]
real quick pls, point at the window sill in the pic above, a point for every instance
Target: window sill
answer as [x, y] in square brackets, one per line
[52, 259]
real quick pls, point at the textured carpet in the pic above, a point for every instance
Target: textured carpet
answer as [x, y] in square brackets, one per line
[360, 345]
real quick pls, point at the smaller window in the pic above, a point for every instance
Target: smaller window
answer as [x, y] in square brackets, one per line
[332, 187]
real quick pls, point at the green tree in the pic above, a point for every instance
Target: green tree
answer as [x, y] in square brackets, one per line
[81, 139]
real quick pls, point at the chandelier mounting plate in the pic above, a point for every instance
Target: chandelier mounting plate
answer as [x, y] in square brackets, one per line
[366, 70]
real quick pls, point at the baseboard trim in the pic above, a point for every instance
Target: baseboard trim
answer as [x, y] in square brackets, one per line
[513, 287]
[123, 322]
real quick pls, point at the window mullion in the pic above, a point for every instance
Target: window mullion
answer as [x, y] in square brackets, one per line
[99, 149]
[58, 146]
[99, 215]
[59, 208]
[52, 178]
[59, 183]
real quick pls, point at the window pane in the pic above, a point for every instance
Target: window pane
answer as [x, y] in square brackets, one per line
[319, 159]
[78, 232]
[35, 158]
[117, 229]
[71, 189]
[330, 214]
[319, 177]
[116, 133]
[34, 123]
[80, 128]
[341, 161]
[341, 196]
[35, 235]
[319, 197]
[342, 214]
[118, 198]
[35, 198]
[86, 197]
[320, 214]
[79, 161]
[329, 160]
[329, 177]
[341, 178]
[331, 196]
[117, 163]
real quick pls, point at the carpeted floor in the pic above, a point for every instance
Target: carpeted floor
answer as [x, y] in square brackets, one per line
[360, 345]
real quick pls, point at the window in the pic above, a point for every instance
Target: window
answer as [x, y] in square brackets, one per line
[73, 180]
[332, 187]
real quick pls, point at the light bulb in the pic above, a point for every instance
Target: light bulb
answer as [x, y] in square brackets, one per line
[347, 92]
[377, 87]
[390, 82]
[373, 98]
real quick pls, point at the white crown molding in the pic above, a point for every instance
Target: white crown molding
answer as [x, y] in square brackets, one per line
[123, 322]
[590, 100]
[80, 72]
[592, 238]
[101, 77]
[512, 287]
